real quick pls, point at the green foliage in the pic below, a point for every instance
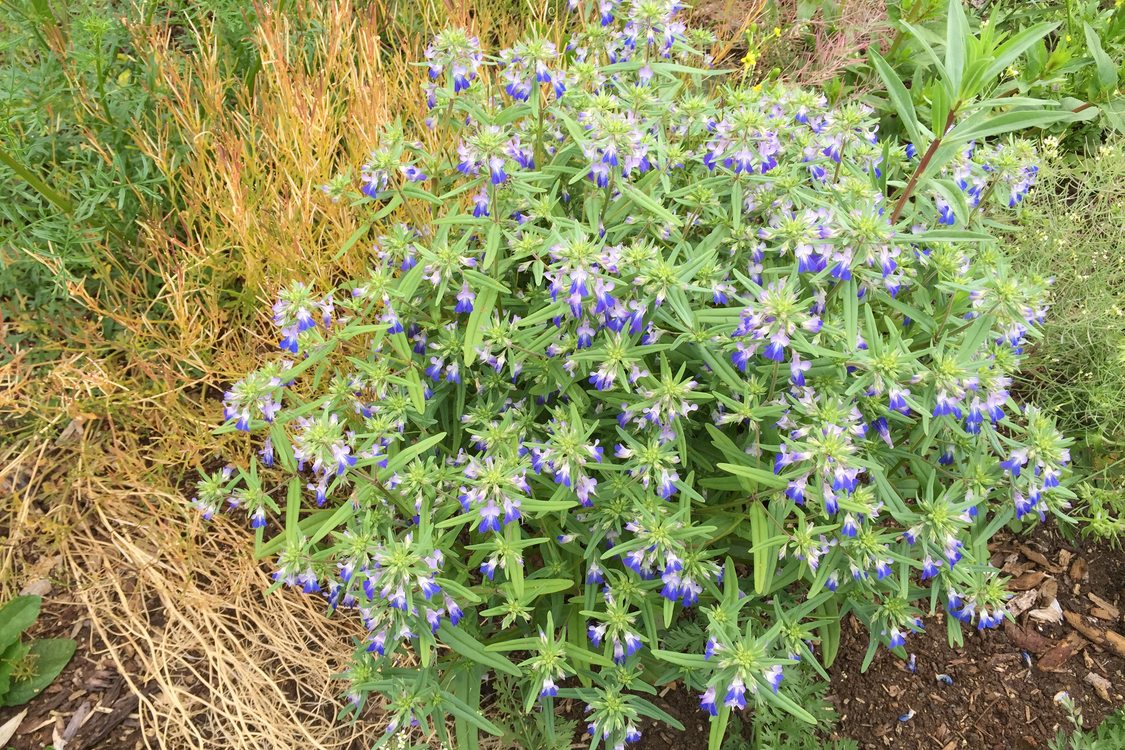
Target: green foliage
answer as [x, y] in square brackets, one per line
[805, 391]
[1100, 512]
[1081, 64]
[1069, 231]
[1109, 735]
[771, 729]
[27, 668]
[76, 178]
[1077, 59]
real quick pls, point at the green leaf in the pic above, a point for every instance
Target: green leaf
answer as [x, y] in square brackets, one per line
[872, 648]
[1107, 71]
[829, 631]
[51, 655]
[786, 703]
[956, 39]
[17, 616]
[463, 711]
[649, 204]
[900, 97]
[482, 311]
[325, 527]
[469, 647]
[405, 456]
[543, 586]
[467, 684]
[9, 658]
[1007, 122]
[952, 235]
[761, 476]
[851, 314]
[366, 227]
[690, 661]
[645, 708]
[1009, 51]
[718, 729]
[293, 512]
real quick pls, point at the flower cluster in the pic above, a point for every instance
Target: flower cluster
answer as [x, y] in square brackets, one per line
[646, 343]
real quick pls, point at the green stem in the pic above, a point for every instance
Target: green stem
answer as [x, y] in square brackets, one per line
[59, 200]
[983, 198]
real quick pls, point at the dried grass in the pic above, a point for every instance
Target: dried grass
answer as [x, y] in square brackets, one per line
[217, 664]
[833, 46]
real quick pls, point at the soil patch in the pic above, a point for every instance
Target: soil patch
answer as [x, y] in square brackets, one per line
[90, 705]
[1004, 681]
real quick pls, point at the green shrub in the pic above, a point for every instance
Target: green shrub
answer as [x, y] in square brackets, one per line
[655, 349]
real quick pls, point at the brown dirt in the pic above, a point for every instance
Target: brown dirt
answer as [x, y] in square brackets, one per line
[89, 706]
[995, 700]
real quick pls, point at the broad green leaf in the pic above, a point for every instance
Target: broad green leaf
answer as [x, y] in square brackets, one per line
[51, 655]
[690, 661]
[17, 616]
[645, 708]
[1007, 122]
[293, 512]
[851, 314]
[9, 658]
[469, 647]
[761, 476]
[482, 311]
[784, 702]
[900, 97]
[468, 685]
[952, 235]
[406, 455]
[718, 729]
[1009, 51]
[829, 630]
[956, 39]
[1107, 71]
[463, 711]
[649, 204]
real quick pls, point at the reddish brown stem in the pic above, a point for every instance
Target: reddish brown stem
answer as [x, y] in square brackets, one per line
[1082, 107]
[925, 162]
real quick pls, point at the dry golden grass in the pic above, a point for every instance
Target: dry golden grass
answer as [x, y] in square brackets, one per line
[216, 662]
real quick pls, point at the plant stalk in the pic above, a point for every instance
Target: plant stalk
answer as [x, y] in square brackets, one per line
[925, 162]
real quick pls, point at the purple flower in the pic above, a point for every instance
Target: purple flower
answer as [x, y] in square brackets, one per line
[707, 701]
[736, 694]
[465, 299]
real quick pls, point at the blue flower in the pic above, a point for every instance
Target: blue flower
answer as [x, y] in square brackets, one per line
[1015, 462]
[774, 676]
[707, 701]
[736, 694]
[465, 299]
[481, 204]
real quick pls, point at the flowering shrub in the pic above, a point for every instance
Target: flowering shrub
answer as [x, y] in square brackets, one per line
[650, 349]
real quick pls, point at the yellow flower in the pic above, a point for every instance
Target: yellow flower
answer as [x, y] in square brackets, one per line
[750, 59]
[776, 31]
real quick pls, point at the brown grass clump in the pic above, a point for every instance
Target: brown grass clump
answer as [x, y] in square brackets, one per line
[215, 662]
